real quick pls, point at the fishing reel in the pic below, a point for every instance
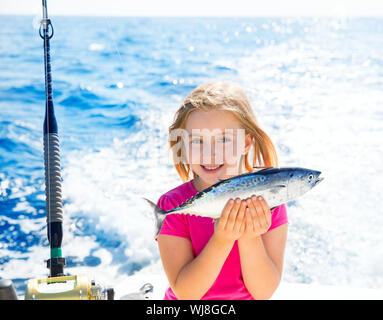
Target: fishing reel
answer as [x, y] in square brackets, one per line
[77, 287]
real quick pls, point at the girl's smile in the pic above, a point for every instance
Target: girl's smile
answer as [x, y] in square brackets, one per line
[211, 169]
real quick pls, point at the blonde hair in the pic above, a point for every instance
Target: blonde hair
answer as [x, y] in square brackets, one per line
[230, 97]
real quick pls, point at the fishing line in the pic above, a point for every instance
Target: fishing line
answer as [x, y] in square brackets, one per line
[115, 46]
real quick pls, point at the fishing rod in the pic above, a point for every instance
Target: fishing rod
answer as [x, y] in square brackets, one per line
[57, 285]
[54, 206]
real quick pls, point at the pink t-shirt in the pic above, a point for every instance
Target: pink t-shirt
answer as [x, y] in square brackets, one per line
[229, 284]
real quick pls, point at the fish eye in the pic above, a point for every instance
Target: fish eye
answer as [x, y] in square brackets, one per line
[311, 176]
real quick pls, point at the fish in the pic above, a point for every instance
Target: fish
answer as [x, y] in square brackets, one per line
[275, 185]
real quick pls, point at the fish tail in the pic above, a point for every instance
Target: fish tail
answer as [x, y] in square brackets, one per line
[159, 215]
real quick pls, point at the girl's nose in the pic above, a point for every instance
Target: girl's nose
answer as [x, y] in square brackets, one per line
[212, 153]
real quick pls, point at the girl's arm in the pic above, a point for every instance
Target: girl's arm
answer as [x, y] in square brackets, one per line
[191, 277]
[261, 252]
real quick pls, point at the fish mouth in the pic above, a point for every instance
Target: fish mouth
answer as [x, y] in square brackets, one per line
[318, 180]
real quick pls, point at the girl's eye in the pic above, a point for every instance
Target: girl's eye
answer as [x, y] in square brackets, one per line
[224, 139]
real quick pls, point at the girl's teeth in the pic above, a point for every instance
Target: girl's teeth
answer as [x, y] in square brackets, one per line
[211, 168]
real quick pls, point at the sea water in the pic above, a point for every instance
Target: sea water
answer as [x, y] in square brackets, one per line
[316, 87]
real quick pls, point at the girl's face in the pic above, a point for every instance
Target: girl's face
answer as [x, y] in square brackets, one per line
[215, 146]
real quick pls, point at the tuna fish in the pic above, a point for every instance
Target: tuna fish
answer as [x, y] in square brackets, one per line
[275, 185]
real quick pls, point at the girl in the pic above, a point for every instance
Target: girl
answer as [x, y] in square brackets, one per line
[240, 255]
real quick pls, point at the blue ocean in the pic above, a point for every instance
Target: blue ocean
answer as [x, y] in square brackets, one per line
[316, 87]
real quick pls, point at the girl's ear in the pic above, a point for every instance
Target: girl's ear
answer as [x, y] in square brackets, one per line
[248, 143]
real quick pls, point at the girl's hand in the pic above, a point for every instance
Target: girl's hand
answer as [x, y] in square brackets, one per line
[257, 217]
[230, 226]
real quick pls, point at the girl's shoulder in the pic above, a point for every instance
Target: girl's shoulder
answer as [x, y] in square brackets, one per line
[176, 196]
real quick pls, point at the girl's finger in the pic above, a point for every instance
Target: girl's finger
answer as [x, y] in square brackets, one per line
[240, 215]
[266, 212]
[232, 215]
[243, 225]
[249, 221]
[225, 213]
[253, 213]
[261, 212]
[258, 212]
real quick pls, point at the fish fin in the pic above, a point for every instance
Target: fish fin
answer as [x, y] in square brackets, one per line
[275, 189]
[159, 215]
